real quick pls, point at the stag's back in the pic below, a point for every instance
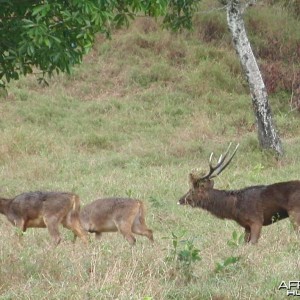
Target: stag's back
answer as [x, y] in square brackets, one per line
[284, 194]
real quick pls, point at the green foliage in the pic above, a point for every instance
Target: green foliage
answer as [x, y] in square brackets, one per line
[236, 240]
[54, 35]
[227, 263]
[180, 14]
[184, 254]
[230, 261]
[275, 218]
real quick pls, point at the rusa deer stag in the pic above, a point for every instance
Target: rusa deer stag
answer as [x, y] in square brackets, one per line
[116, 214]
[45, 209]
[251, 207]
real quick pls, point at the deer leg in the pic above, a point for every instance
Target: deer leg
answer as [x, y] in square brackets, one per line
[295, 220]
[125, 230]
[73, 223]
[52, 226]
[145, 232]
[20, 224]
[139, 227]
[247, 235]
[255, 230]
[79, 231]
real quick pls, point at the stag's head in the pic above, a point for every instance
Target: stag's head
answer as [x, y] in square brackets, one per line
[202, 184]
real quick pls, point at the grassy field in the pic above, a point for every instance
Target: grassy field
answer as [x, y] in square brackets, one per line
[140, 113]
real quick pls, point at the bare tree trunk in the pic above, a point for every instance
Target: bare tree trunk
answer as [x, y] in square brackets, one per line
[267, 134]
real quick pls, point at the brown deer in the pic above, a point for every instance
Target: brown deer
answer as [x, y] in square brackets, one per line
[251, 207]
[45, 209]
[116, 214]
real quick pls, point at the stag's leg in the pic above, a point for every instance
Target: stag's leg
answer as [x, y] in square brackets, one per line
[52, 225]
[139, 227]
[255, 230]
[295, 220]
[247, 235]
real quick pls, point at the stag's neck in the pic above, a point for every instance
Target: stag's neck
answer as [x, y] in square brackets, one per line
[4, 205]
[220, 203]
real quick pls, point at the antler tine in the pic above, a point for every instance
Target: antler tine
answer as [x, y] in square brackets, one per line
[210, 157]
[222, 159]
[211, 168]
[219, 166]
[222, 168]
[219, 163]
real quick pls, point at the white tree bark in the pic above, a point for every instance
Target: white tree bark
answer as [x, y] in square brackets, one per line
[267, 134]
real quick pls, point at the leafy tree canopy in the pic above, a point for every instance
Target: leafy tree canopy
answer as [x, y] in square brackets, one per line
[53, 35]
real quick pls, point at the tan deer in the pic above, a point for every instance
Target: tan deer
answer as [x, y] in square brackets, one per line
[45, 209]
[251, 207]
[116, 214]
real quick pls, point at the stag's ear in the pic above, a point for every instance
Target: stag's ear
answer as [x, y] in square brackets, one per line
[193, 180]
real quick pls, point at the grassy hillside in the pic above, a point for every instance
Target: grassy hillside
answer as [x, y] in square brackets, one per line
[141, 112]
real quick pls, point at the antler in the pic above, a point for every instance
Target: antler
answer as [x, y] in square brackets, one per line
[220, 166]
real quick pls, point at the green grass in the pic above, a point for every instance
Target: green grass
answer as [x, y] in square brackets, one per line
[134, 119]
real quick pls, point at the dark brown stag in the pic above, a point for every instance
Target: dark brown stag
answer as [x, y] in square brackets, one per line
[251, 207]
[45, 209]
